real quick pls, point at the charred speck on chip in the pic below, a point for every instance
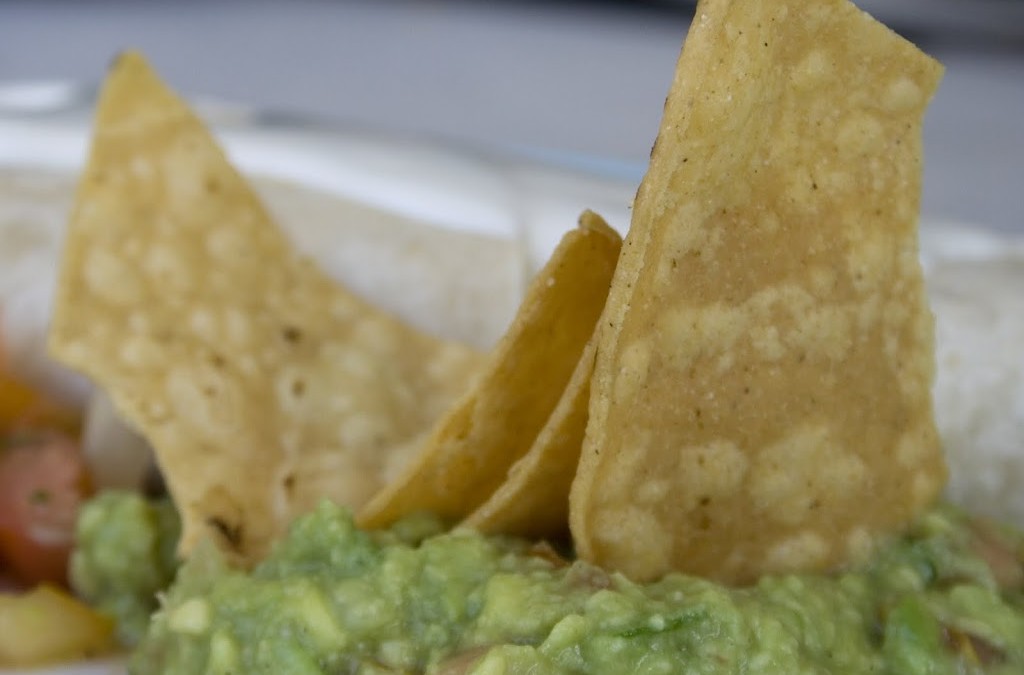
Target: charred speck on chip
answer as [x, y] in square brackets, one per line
[231, 534]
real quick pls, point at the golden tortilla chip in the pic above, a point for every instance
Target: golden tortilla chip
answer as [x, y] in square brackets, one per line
[262, 385]
[760, 400]
[534, 499]
[493, 425]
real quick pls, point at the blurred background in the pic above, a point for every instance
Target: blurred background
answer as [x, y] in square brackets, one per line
[577, 82]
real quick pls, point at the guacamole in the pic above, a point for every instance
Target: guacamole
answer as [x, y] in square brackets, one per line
[947, 599]
[125, 557]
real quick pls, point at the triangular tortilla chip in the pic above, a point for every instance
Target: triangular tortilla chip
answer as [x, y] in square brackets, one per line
[760, 400]
[262, 385]
[473, 446]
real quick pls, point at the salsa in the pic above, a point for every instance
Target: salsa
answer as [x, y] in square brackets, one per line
[946, 598]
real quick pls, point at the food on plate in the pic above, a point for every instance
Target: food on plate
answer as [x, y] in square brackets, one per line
[262, 384]
[773, 249]
[761, 396]
[46, 625]
[470, 451]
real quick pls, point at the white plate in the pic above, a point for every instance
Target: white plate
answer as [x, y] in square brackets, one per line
[518, 197]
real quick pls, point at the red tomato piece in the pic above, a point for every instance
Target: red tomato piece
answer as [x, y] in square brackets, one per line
[43, 481]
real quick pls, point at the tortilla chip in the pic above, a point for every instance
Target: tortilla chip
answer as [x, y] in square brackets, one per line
[534, 499]
[760, 400]
[262, 385]
[472, 448]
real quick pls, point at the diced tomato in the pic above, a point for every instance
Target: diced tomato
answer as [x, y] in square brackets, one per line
[43, 481]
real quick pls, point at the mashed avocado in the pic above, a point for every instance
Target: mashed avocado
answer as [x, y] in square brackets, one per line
[124, 557]
[945, 600]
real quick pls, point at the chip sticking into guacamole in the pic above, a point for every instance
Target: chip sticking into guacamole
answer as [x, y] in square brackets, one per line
[761, 400]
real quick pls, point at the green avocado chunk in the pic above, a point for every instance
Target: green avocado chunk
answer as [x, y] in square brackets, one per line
[124, 555]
